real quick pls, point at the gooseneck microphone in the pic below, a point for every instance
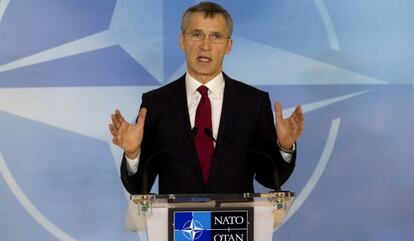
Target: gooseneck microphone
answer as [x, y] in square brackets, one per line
[144, 186]
[276, 179]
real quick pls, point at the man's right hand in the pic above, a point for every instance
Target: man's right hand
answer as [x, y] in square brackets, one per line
[128, 136]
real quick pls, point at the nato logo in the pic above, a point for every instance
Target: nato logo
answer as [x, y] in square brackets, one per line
[210, 225]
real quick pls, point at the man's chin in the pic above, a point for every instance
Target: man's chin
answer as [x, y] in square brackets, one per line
[203, 71]
[204, 75]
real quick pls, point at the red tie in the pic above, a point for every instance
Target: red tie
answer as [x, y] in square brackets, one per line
[204, 144]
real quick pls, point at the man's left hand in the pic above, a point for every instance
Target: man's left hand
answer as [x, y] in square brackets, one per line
[288, 130]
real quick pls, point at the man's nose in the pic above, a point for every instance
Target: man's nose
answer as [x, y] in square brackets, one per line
[205, 43]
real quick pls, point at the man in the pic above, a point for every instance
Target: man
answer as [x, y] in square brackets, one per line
[174, 132]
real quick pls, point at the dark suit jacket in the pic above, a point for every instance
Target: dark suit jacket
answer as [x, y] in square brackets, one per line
[246, 121]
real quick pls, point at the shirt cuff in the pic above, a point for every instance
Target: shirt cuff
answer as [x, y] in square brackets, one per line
[132, 165]
[287, 156]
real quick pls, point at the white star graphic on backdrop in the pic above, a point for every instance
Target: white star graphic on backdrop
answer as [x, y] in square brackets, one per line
[3, 7]
[120, 32]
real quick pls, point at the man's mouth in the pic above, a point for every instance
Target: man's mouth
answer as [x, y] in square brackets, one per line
[204, 59]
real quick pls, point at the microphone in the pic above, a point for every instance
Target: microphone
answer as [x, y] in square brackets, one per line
[276, 179]
[162, 151]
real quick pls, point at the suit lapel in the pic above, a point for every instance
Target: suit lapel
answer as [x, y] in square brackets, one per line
[180, 106]
[228, 113]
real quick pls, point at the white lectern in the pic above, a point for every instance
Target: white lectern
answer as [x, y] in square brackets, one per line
[177, 217]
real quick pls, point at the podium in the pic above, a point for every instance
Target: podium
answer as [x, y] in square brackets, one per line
[182, 217]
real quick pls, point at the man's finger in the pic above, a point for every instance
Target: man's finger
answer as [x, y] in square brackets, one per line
[113, 130]
[122, 129]
[278, 111]
[299, 119]
[141, 116]
[119, 116]
[298, 114]
[298, 109]
[115, 121]
[115, 141]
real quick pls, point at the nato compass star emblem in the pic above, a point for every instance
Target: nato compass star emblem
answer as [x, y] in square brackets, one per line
[192, 229]
[61, 83]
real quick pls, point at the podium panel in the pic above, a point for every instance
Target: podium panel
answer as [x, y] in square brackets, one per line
[247, 216]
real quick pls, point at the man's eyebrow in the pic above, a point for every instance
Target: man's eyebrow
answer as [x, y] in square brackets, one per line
[197, 30]
[216, 32]
[202, 31]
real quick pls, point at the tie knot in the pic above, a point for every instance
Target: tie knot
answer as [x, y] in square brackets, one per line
[203, 91]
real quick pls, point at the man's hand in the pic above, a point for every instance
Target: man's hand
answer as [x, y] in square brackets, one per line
[128, 136]
[288, 130]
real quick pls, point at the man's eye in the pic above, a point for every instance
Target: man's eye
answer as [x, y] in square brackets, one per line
[196, 35]
[216, 36]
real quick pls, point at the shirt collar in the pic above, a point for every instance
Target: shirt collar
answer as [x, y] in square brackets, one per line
[215, 86]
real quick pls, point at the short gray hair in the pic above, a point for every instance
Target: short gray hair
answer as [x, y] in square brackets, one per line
[209, 9]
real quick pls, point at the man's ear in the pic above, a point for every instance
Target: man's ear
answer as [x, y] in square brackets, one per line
[229, 46]
[181, 41]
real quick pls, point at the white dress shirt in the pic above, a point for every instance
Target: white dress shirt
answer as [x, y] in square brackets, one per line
[215, 94]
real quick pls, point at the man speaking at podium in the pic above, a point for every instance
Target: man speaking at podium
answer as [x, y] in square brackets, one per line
[205, 132]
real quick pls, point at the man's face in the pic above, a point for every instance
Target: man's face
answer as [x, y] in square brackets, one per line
[205, 57]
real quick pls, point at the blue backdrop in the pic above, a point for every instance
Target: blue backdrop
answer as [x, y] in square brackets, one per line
[65, 65]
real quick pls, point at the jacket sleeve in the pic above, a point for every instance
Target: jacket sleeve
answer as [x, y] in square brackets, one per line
[145, 176]
[267, 143]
